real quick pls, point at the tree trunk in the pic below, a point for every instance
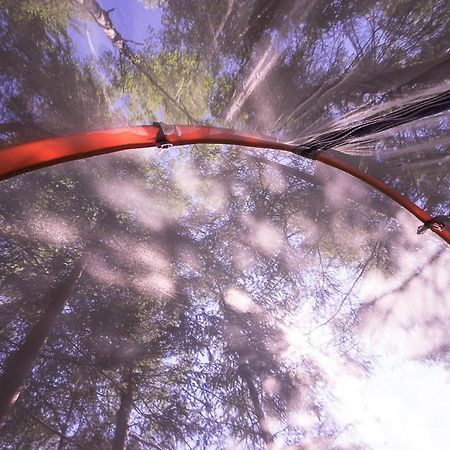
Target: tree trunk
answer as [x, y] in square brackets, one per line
[120, 441]
[247, 377]
[20, 363]
[101, 16]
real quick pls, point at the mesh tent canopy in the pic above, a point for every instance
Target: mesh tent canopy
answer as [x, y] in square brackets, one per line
[246, 245]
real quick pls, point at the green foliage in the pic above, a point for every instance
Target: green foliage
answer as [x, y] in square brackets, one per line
[181, 74]
[46, 90]
[53, 14]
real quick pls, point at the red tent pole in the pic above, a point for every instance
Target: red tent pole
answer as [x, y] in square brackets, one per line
[47, 152]
[385, 189]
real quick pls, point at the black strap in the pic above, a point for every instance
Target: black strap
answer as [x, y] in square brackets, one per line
[161, 139]
[370, 125]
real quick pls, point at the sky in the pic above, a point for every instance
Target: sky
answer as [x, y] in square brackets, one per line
[402, 405]
[131, 19]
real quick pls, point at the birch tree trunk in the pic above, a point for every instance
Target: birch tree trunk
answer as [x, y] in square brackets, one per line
[102, 18]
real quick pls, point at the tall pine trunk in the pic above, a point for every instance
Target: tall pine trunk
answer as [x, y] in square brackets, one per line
[20, 363]
[121, 432]
[246, 376]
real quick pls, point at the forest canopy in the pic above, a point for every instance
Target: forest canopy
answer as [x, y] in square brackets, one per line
[216, 296]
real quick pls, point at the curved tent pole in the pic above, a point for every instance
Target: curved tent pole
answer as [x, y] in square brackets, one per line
[27, 157]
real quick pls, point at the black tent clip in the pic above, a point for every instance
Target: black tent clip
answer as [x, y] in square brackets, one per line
[161, 138]
[437, 223]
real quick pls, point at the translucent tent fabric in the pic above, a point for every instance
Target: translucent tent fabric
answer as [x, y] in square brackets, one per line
[215, 295]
